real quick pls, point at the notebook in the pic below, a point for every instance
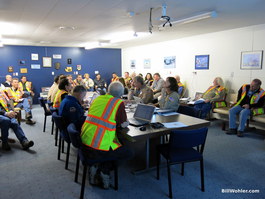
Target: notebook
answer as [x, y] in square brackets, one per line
[197, 99]
[142, 115]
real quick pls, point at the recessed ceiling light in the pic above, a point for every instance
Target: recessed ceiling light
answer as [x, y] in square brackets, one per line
[45, 42]
[66, 28]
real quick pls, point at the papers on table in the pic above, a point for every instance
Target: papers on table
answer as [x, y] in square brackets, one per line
[169, 113]
[171, 125]
[198, 101]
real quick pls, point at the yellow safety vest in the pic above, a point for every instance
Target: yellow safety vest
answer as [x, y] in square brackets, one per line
[254, 99]
[14, 95]
[99, 129]
[58, 98]
[3, 101]
[27, 84]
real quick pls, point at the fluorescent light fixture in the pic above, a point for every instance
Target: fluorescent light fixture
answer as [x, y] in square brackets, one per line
[195, 18]
[9, 28]
[91, 45]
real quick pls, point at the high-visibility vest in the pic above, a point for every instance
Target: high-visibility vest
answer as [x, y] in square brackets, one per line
[115, 79]
[218, 90]
[58, 98]
[254, 98]
[3, 101]
[27, 84]
[14, 94]
[258, 111]
[99, 129]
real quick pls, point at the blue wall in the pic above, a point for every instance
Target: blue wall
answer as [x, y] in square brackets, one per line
[106, 61]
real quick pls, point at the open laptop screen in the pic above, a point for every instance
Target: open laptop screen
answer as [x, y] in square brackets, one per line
[144, 112]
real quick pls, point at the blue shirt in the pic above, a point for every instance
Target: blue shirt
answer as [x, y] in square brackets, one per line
[72, 111]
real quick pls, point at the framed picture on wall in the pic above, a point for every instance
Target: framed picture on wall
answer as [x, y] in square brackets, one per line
[47, 61]
[23, 70]
[201, 62]
[22, 62]
[133, 64]
[170, 62]
[147, 63]
[251, 60]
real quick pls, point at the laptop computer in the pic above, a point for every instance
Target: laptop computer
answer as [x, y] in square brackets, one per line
[142, 115]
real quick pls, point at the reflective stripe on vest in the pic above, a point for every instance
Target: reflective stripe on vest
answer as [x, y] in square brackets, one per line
[58, 98]
[3, 101]
[14, 95]
[255, 97]
[99, 129]
[258, 111]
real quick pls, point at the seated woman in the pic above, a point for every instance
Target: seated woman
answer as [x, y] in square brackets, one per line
[214, 93]
[148, 79]
[170, 97]
[65, 87]
[121, 79]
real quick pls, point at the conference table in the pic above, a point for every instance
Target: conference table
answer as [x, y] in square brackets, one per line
[147, 140]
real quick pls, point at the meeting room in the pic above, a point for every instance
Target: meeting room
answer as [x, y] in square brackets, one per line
[132, 99]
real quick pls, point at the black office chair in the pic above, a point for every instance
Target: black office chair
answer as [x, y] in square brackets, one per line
[188, 110]
[76, 142]
[46, 111]
[56, 131]
[63, 136]
[180, 150]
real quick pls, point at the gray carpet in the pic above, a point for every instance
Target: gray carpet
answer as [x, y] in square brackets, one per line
[230, 163]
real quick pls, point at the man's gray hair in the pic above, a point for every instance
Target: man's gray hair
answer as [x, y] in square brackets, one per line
[116, 89]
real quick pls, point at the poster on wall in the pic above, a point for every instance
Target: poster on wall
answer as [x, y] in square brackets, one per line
[23, 70]
[78, 67]
[22, 62]
[202, 62]
[47, 61]
[10, 69]
[251, 60]
[68, 69]
[170, 62]
[35, 66]
[132, 64]
[57, 56]
[147, 63]
[57, 65]
[34, 56]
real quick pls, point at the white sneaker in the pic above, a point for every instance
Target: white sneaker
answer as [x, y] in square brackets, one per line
[93, 175]
[105, 180]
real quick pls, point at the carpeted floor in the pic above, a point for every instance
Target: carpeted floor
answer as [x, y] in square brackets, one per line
[230, 163]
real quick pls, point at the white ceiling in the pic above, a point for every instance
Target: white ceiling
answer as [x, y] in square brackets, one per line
[36, 22]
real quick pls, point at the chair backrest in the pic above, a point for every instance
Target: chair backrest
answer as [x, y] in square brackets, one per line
[74, 135]
[60, 124]
[42, 104]
[188, 138]
[187, 110]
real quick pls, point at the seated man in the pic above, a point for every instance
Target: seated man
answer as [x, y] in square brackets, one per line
[157, 85]
[180, 86]
[100, 84]
[16, 96]
[141, 90]
[8, 81]
[249, 98]
[89, 83]
[79, 80]
[214, 93]
[71, 107]
[114, 77]
[7, 121]
[99, 136]
[25, 87]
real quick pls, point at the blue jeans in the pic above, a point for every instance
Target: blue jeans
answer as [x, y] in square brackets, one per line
[243, 116]
[203, 109]
[6, 123]
[25, 104]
